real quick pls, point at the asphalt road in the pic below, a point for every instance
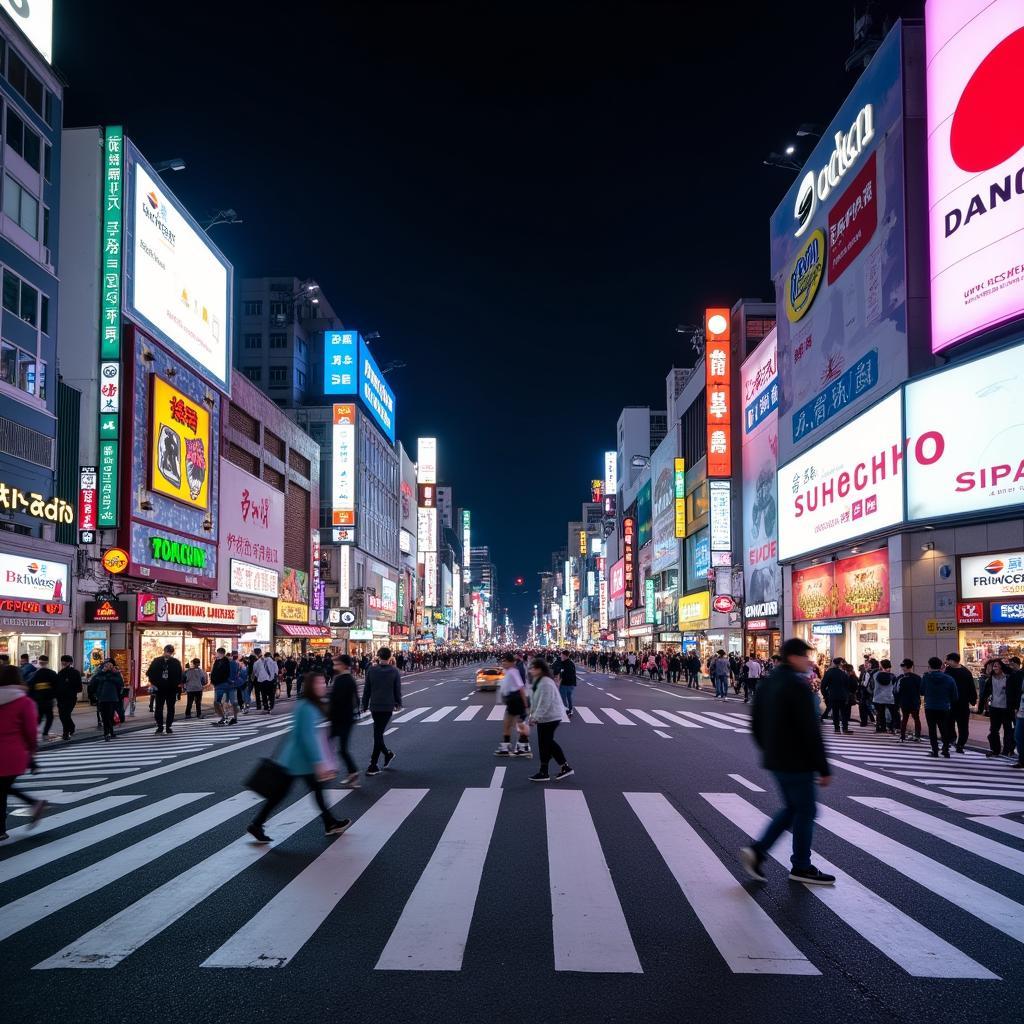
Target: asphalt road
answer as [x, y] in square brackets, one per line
[465, 892]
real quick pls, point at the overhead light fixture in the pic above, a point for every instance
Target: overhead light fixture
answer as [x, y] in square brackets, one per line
[790, 150]
[928, 545]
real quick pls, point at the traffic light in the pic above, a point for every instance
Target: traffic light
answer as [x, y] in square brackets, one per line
[520, 582]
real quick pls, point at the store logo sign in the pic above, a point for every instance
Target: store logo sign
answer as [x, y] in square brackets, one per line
[805, 276]
[970, 613]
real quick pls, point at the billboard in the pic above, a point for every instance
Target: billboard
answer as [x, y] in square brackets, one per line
[974, 463]
[838, 257]
[643, 514]
[975, 49]
[849, 485]
[179, 283]
[426, 460]
[611, 474]
[720, 514]
[698, 559]
[759, 395]
[180, 448]
[663, 505]
[341, 362]
[247, 578]
[617, 579]
[848, 588]
[343, 465]
[718, 391]
[251, 518]
[33, 578]
[376, 395]
[1000, 575]
[36, 21]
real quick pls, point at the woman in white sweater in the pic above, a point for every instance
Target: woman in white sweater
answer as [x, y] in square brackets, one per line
[547, 712]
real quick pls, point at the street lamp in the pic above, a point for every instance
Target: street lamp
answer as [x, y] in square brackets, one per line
[222, 217]
[175, 163]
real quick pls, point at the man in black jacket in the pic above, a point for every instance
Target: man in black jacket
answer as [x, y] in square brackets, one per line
[69, 686]
[966, 697]
[344, 706]
[836, 685]
[164, 675]
[382, 695]
[43, 688]
[786, 727]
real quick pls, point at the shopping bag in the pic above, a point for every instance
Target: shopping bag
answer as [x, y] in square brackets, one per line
[268, 779]
[117, 718]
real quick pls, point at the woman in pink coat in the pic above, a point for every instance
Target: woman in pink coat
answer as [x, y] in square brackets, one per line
[18, 724]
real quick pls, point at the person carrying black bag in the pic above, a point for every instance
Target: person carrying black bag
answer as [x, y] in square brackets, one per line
[344, 708]
[164, 675]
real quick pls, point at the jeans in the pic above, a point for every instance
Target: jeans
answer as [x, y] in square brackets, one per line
[343, 732]
[841, 715]
[196, 699]
[962, 721]
[106, 710]
[885, 715]
[909, 713]
[315, 787]
[798, 810]
[380, 723]
[567, 692]
[67, 723]
[999, 719]
[547, 745]
[246, 694]
[940, 725]
[721, 686]
[165, 699]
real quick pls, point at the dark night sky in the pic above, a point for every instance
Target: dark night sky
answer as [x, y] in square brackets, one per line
[524, 199]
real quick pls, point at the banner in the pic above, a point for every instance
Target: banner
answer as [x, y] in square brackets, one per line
[180, 447]
[862, 585]
[663, 505]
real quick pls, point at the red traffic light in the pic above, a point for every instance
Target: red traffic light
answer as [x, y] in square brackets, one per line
[520, 581]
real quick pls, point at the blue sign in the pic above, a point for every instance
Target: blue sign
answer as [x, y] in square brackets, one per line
[378, 398]
[698, 559]
[827, 629]
[1007, 611]
[341, 350]
[764, 404]
[858, 379]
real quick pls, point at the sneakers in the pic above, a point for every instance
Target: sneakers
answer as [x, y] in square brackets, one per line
[504, 750]
[811, 876]
[338, 827]
[352, 780]
[990, 753]
[168, 730]
[540, 777]
[945, 752]
[232, 721]
[753, 863]
[373, 770]
[220, 721]
[159, 730]
[257, 833]
[38, 810]
[388, 758]
[564, 773]
[523, 750]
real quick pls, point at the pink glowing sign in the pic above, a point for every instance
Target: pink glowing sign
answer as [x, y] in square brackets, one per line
[975, 50]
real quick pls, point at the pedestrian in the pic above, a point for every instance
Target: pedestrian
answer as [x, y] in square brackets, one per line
[1001, 695]
[42, 685]
[547, 712]
[908, 692]
[836, 685]
[344, 709]
[512, 691]
[27, 670]
[382, 696]
[290, 668]
[753, 670]
[225, 689]
[107, 684]
[165, 676]
[720, 672]
[264, 675]
[864, 689]
[786, 727]
[966, 698]
[567, 682]
[19, 721]
[69, 686]
[306, 756]
[939, 699]
[195, 680]
[883, 696]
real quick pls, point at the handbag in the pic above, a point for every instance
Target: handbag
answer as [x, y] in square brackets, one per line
[117, 718]
[268, 779]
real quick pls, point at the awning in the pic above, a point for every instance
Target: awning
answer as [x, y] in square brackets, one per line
[293, 629]
[227, 630]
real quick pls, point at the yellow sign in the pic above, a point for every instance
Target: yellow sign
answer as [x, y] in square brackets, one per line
[115, 560]
[679, 490]
[935, 626]
[583, 542]
[805, 276]
[695, 610]
[179, 458]
[292, 611]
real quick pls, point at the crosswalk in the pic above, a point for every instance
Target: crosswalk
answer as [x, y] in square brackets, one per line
[440, 860]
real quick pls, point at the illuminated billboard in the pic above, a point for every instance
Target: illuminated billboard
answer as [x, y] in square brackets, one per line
[341, 362]
[376, 395]
[426, 460]
[718, 391]
[180, 449]
[343, 465]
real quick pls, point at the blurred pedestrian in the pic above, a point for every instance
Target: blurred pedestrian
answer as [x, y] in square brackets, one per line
[547, 712]
[43, 690]
[69, 686]
[19, 721]
[382, 697]
[344, 709]
[966, 698]
[195, 682]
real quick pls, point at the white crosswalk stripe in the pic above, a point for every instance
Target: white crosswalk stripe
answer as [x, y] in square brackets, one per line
[588, 716]
[440, 713]
[616, 717]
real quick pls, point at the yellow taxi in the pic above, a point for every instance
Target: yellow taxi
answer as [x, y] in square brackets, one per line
[488, 678]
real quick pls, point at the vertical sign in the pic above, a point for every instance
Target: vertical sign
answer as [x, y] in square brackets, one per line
[680, 497]
[111, 238]
[611, 483]
[87, 524]
[718, 393]
[650, 602]
[343, 466]
[720, 501]
[629, 560]
[426, 460]
[344, 577]
[583, 543]
[596, 490]
[466, 549]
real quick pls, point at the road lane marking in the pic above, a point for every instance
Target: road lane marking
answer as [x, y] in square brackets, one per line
[388, 732]
[59, 894]
[284, 925]
[498, 778]
[644, 717]
[55, 821]
[745, 936]
[612, 695]
[1011, 828]
[497, 713]
[467, 714]
[440, 713]
[432, 931]
[617, 718]
[663, 735]
[676, 720]
[746, 782]
[408, 716]
[121, 935]
[589, 928]
[911, 946]
[704, 720]
[588, 716]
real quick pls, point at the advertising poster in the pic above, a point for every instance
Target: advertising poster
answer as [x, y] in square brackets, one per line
[814, 592]
[251, 518]
[34, 579]
[975, 50]
[617, 579]
[862, 585]
[849, 485]
[999, 575]
[698, 559]
[643, 514]
[838, 257]
[663, 506]
[180, 448]
[955, 470]
[295, 586]
[759, 386]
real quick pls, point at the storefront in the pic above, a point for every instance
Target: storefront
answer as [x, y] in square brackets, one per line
[841, 607]
[990, 607]
[694, 622]
[314, 639]
[399, 636]
[35, 615]
[761, 637]
[289, 615]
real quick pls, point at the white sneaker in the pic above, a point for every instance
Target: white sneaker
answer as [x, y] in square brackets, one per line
[504, 750]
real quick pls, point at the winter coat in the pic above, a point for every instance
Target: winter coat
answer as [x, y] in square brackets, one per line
[908, 691]
[107, 686]
[19, 720]
[304, 748]
[382, 690]
[883, 687]
[69, 685]
[546, 705]
[786, 726]
[195, 680]
[939, 691]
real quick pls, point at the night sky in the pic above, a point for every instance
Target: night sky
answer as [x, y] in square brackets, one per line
[523, 199]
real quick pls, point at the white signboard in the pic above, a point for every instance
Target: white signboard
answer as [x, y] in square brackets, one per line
[247, 578]
[344, 577]
[611, 482]
[966, 430]
[183, 610]
[261, 632]
[426, 460]
[992, 575]
[179, 285]
[35, 19]
[426, 529]
[21, 576]
[849, 485]
[430, 579]
[720, 502]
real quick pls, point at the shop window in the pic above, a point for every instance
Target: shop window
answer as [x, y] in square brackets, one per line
[22, 370]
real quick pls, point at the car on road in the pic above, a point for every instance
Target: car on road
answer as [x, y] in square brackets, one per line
[488, 678]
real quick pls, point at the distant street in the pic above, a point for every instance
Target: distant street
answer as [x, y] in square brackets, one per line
[461, 886]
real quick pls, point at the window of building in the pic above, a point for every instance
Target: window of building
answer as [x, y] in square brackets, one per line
[254, 373]
[278, 340]
[252, 307]
[47, 162]
[300, 347]
[279, 375]
[25, 82]
[300, 379]
[278, 308]
[21, 206]
[44, 313]
[253, 341]
[20, 298]
[22, 370]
